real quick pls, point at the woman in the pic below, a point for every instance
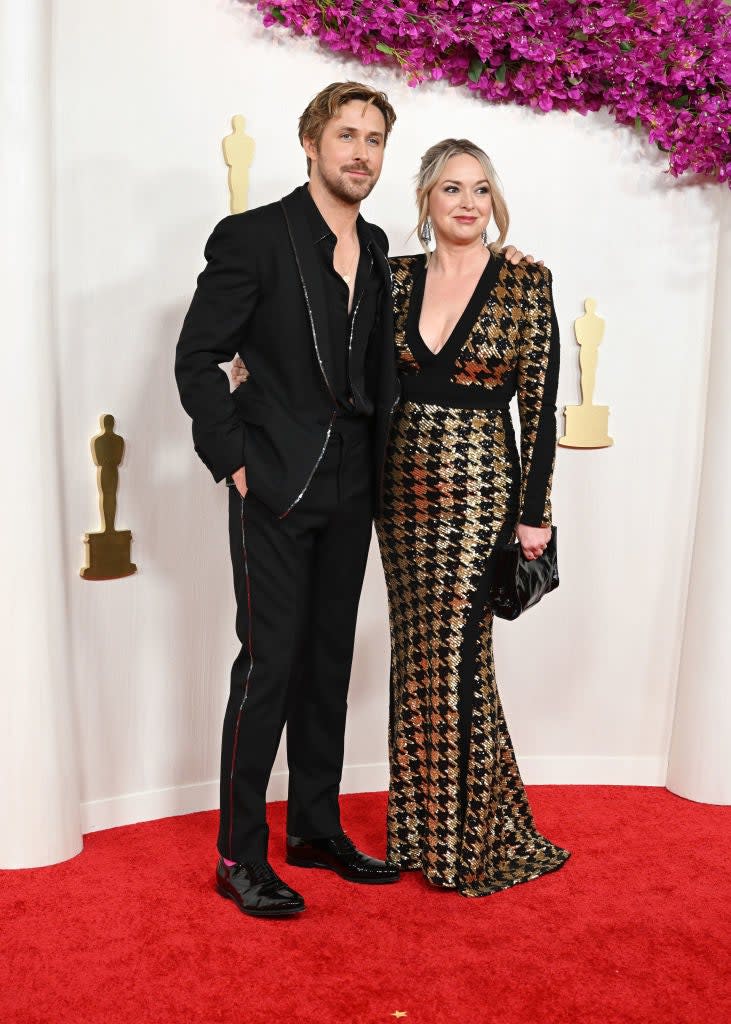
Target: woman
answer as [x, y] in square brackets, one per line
[471, 329]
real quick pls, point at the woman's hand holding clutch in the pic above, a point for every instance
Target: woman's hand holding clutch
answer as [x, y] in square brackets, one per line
[533, 539]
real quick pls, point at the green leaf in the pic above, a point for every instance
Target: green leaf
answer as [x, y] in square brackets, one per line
[384, 48]
[638, 124]
[476, 68]
[276, 12]
[501, 72]
[580, 35]
[681, 101]
[626, 47]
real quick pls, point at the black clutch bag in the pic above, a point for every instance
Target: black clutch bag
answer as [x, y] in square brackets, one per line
[520, 583]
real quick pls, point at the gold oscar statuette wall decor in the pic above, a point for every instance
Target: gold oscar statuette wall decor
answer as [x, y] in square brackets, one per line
[587, 424]
[108, 552]
[238, 152]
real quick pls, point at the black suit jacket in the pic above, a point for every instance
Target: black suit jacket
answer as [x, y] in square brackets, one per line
[262, 295]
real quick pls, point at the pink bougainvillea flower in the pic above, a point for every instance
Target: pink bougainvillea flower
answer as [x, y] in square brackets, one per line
[662, 66]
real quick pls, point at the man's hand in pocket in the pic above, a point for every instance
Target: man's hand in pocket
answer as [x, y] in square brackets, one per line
[239, 479]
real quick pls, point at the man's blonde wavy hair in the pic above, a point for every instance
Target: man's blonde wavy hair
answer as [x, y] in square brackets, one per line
[323, 107]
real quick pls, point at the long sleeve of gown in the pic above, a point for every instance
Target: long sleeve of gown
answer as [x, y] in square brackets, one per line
[537, 385]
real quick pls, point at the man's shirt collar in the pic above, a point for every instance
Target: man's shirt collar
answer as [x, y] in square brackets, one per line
[320, 229]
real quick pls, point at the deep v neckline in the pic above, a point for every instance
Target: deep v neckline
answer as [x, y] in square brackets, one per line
[460, 332]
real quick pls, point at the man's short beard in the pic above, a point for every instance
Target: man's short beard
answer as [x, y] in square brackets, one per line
[347, 190]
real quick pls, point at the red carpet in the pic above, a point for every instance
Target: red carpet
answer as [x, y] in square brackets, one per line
[635, 928]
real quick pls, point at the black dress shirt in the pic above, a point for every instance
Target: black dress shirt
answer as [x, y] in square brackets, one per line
[349, 331]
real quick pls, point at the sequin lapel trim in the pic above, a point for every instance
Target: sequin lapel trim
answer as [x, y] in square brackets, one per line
[309, 307]
[352, 330]
[313, 471]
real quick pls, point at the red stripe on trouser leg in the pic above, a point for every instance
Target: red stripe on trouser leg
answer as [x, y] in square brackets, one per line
[246, 686]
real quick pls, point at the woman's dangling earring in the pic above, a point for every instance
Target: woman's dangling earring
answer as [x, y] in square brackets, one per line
[426, 232]
[485, 240]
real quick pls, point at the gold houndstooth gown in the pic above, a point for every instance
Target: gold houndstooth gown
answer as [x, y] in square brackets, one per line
[454, 488]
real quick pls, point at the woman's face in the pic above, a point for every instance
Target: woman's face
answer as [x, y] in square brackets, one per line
[460, 205]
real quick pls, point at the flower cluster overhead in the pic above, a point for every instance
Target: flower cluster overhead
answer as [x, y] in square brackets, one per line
[663, 66]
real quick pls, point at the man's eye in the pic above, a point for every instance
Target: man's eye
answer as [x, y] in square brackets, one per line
[345, 135]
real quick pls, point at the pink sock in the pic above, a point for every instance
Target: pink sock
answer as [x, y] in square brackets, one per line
[228, 863]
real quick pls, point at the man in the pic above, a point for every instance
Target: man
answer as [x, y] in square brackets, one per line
[301, 289]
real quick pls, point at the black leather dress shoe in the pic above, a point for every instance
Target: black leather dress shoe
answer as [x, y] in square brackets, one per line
[257, 889]
[340, 854]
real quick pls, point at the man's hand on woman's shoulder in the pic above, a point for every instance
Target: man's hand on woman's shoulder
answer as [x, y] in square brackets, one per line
[513, 255]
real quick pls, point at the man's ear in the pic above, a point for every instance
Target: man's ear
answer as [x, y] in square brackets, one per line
[309, 147]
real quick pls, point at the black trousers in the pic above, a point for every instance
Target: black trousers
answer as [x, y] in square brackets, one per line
[298, 582]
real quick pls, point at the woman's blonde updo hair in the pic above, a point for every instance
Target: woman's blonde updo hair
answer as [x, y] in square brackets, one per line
[432, 166]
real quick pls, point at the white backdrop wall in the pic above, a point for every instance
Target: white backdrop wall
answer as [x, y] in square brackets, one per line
[143, 95]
